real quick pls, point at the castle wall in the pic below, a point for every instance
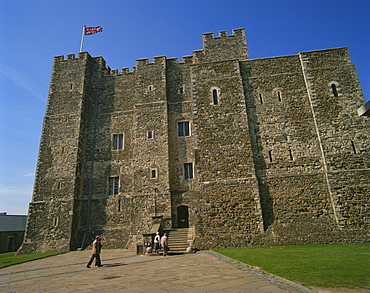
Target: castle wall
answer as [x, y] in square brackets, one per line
[263, 151]
[343, 135]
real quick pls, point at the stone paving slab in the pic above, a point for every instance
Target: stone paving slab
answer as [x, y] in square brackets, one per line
[124, 271]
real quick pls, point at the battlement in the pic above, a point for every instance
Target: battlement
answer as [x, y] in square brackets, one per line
[223, 34]
[223, 47]
[216, 48]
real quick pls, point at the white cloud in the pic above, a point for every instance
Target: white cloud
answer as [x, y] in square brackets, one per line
[23, 81]
[29, 175]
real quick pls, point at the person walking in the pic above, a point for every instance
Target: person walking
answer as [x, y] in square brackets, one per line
[157, 238]
[96, 248]
[164, 244]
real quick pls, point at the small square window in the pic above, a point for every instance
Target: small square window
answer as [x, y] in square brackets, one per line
[118, 141]
[184, 128]
[113, 185]
[153, 173]
[188, 171]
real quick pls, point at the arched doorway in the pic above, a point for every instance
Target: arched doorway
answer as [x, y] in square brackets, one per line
[182, 217]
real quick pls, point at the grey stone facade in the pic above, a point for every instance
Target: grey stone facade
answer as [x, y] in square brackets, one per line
[264, 151]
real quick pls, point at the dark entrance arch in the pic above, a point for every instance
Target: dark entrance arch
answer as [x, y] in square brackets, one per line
[182, 217]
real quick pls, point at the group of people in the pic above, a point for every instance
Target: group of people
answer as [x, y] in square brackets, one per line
[159, 242]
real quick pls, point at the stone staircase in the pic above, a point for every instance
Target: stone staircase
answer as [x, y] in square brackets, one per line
[180, 239]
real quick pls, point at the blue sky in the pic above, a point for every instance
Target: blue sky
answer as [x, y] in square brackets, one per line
[33, 32]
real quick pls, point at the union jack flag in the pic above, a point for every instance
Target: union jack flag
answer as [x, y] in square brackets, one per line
[93, 30]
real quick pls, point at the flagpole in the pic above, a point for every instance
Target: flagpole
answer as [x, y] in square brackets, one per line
[82, 38]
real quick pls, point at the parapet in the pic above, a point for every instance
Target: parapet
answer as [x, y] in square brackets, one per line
[224, 46]
[239, 32]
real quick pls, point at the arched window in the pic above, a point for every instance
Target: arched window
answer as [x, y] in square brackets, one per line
[215, 97]
[334, 89]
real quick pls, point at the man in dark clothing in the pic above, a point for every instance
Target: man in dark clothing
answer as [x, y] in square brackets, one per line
[96, 248]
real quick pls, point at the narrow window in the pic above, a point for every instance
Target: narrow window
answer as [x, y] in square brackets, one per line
[55, 221]
[270, 156]
[59, 185]
[153, 173]
[150, 134]
[181, 90]
[291, 155]
[62, 150]
[113, 185]
[261, 99]
[71, 85]
[334, 90]
[150, 88]
[353, 147]
[215, 97]
[184, 128]
[279, 96]
[188, 170]
[118, 141]
[119, 205]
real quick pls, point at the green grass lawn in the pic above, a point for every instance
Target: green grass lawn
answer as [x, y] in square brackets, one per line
[328, 265]
[8, 259]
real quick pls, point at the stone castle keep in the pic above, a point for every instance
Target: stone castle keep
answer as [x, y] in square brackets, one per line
[246, 152]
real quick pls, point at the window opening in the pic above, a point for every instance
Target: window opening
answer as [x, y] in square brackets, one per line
[353, 147]
[291, 155]
[55, 221]
[119, 205]
[113, 185]
[150, 134]
[279, 96]
[188, 171]
[153, 173]
[118, 141]
[215, 97]
[261, 98]
[181, 90]
[270, 156]
[334, 90]
[184, 128]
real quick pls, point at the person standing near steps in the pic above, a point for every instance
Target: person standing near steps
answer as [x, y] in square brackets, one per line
[164, 244]
[157, 239]
[96, 248]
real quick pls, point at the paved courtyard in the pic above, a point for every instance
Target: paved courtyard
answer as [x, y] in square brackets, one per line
[124, 271]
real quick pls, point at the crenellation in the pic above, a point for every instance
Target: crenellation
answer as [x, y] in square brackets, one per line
[70, 56]
[271, 151]
[188, 59]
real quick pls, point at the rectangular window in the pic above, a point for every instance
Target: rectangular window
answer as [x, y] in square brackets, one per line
[113, 185]
[188, 171]
[150, 134]
[184, 128]
[153, 173]
[118, 141]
